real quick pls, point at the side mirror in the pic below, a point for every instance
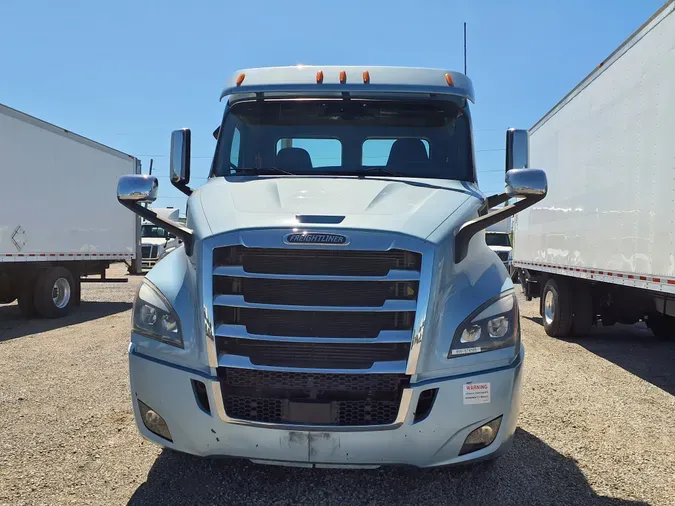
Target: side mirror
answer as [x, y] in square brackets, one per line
[179, 161]
[526, 183]
[216, 133]
[517, 150]
[137, 188]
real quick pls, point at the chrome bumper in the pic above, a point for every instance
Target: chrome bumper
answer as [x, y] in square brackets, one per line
[433, 441]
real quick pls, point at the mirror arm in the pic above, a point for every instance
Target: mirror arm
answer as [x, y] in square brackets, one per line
[495, 200]
[175, 228]
[183, 188]
[472, 227]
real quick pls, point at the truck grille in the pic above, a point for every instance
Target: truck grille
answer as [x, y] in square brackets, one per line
[302, 309]
[149, 251]
[340, 399]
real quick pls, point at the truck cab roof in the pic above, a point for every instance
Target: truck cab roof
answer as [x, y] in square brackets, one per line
[358, 80]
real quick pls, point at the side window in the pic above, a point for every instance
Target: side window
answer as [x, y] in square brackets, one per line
[322, 152]
[375, 152]
[235, 148]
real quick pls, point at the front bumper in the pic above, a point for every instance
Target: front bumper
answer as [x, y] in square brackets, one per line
[434, 441]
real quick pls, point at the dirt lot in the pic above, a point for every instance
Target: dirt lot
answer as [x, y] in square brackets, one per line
[596, 427]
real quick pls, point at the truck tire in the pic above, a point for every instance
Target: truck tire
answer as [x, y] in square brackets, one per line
[54, 290]
[662, 326]
[583, 315]
[25, 298]
[557, 310]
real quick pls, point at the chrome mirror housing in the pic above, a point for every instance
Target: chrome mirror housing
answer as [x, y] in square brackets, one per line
[137, 188]
[526, 183]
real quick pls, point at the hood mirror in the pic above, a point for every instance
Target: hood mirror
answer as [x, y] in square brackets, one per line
[137, 188]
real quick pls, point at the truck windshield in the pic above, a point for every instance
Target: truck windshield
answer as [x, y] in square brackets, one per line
[494, 239]
[153, 231]
[404, 138]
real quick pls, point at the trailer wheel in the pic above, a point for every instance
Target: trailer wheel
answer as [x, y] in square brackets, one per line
[582, 310]
[662, 326]
[54, 290]
[557, 310]
[25, 298]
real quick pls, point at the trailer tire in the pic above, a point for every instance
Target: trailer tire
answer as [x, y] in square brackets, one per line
[557, 310]
[662, 326]
[7, 289]
[54, 292]
[583, 316]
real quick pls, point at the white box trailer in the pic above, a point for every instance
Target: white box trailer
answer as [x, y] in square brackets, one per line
[602, 243]
[59, 215]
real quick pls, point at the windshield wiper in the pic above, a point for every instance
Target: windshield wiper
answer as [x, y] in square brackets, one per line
[261, 171]
[379, 171]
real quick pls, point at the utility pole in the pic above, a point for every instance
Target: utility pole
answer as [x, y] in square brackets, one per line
[465, 48]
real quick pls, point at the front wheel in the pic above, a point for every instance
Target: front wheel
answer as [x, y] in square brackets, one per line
[556, 308]
[55, 292]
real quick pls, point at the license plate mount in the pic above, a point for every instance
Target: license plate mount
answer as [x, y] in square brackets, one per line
[310, 413]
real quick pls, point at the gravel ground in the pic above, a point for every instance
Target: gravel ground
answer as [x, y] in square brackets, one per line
[595, 427]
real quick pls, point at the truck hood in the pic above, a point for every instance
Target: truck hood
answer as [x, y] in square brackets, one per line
[404, 205]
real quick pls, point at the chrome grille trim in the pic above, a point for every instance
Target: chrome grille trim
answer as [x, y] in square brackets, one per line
[385, 336]
[238, 271]
[389, 305]
[239, 362]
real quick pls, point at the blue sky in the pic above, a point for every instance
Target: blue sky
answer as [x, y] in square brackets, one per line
[127, 72]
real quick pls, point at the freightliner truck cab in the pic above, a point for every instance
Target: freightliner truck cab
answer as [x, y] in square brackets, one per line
[334, 302]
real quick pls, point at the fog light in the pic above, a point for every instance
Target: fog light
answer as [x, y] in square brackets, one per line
[481, 437]
[153, 422]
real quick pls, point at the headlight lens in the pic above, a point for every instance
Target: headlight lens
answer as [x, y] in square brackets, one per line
[490, 327]
[154, 317]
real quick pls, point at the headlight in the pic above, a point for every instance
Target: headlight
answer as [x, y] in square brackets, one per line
[154, 317]
[492, 326]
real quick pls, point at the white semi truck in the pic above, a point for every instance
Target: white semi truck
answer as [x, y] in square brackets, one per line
[331, 306]
[156, 241]
[59, 220]
[498, 238]
[602, 244]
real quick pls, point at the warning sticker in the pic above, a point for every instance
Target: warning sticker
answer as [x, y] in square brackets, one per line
[476, 393]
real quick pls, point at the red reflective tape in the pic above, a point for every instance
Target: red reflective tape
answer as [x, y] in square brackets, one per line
[619, 275]
[630, 276]
[671, 281]
[61, 255]
[584, 270]
[592, 271]
[70, 255]
[656, 280]
[8, 254]
[31, 254]
[43, 254]
[609, 273]
[643, 278]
